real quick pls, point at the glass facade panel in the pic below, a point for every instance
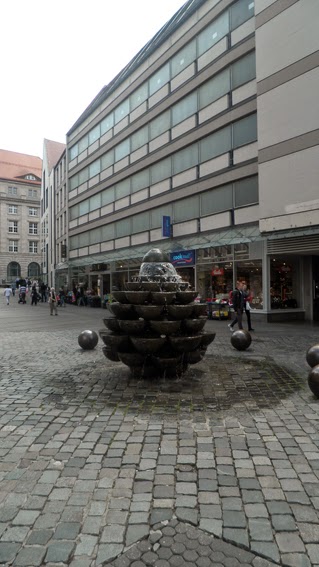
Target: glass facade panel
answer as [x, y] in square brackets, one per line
[140, 222]
[107, 160]
[74, 182]
[159, 79]
[83, 239]
[213, 33]
[139, 96]
[139, 139]
[186, 209]
[94, 134]
[185, 159]
[185, 108]
[243, 70]
[83, 175]
[74, 212]
[246, 191]
[95, 236]
[107, 123]
[121, 111]
[74, 152]
[245, 131]
[122, 150]
[94, 168]
[108, 196]
[161, 170]
[216, 200]
[158, 214]
[83, 144]
[123, 228]
[95, 202]
[122, 189]
[140, 180]
[183, 58]
[214, 89]
[160, 125]
[285, 287]
[107, 232]
[84, 207]
[216, 144]
[240, 12]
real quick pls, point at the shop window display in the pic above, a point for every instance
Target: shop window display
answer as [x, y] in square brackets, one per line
[250, 272]
[284, 283]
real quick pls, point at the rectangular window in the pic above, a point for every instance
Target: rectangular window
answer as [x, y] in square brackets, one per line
[33, 212]
[185, 159]
[245, 131]
[123, 228]
[83, 144]
[83, 175]
[95, 202]
[140, 180]
[139, 139]
[243, 70]
[33, 228]
[122, 189]
[240, 12]
[160, 125]
[158, 214]
[74, 182]
[32, 193]
[13, 245]
[216, 200]
[12, 190]
[74, 212]
[185, 108]
[186, 209]
[121, 111]
[74, 152]
[108, 196]
[84, 207]
[95, 236]
[94, 168]
[216, 144]
[139, 96]
[183, 58]
[161, 170]
[94, 134]
[33, 247]
[122, 150]
[215, 88]
[159, 79]
[107, 160]
[246, 191]
[13, 226]
[12, 209]
[213, 33]
[107, 123]
[141, 222]
[107, 232]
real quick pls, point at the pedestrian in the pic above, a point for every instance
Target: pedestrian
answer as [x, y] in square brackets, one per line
[43, 290]
[34, 296]
[22, 292]
[247, 299]
[53, 301]
[7, 292]
[238, 306]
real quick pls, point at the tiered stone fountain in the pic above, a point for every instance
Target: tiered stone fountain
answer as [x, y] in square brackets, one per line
[156, 328]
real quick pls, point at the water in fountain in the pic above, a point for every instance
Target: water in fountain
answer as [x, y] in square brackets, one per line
[157, 328]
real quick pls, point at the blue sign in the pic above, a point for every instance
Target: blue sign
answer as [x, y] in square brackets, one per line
[166, 226]
[183, 258]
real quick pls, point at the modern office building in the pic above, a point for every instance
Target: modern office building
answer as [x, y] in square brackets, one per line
[20, 182]
[206, 146]
[51, 184]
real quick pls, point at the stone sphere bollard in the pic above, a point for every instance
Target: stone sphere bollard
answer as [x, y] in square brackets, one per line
[312, 355]
[88, 340]
[313, 380]
[241, 339]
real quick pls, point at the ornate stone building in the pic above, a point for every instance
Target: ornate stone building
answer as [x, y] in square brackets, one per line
[20, 183]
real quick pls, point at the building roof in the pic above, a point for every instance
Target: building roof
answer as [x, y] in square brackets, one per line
[53, 150]
[166, 31]
[15, 167]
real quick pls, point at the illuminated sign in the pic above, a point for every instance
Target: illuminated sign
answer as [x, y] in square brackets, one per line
[183, 258]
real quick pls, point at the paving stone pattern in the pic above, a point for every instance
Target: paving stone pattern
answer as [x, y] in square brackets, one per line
[219, 467]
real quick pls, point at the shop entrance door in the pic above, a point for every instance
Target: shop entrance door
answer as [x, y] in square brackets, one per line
[315, 279]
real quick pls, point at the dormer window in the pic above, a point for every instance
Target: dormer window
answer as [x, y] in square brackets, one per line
[30, 177]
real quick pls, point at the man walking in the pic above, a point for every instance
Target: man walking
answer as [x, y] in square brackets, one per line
[7, 292]
[238, 306]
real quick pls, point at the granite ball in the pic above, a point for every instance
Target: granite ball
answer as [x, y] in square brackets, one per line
[240, 339]
[312, 355]
[88, 339]
[313, 380]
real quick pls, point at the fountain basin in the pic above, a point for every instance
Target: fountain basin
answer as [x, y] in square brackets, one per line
[194, 356]
[122, 310]
[170, 286]
[137, 297]
[186, 296]
[115, 341]
[112, 324]
[133, 359]
[132, 326]
[206, 339]
[120, 296]
[133, 286]
[194, 325]
[185, 344]
[110, 353]
[179, 311]
[147, 345]
[151, 286]
[165, 327]
[163, 297]
[149, 312]
[199, 309]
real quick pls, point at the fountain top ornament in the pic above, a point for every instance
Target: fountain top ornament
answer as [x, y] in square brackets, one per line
[157, 267]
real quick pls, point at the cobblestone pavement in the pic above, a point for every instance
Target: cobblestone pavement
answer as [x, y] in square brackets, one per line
[217, 468]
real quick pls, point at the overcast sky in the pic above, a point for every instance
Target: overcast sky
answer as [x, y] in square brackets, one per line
[56, 55]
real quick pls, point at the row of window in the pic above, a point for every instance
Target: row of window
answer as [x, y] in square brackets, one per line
[238, 13]
[239, 133]
[32, 211]
[223, 198]
[242, 71]
[13, 191]
[14, 246]
[13, 227]
[14, 270]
